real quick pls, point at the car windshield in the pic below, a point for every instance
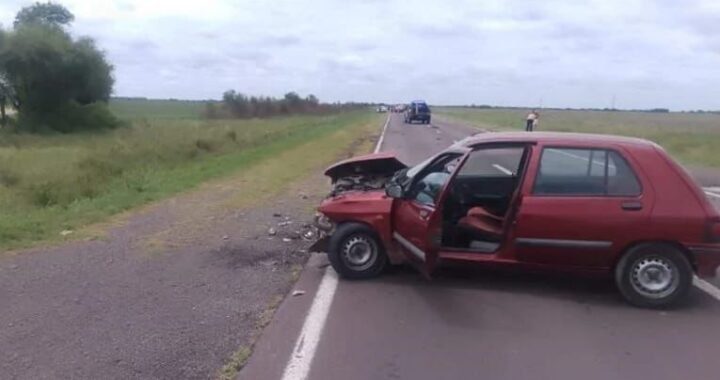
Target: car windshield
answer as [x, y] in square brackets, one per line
[413, 171]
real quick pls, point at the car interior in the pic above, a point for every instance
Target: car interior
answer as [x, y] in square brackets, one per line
[480, 199]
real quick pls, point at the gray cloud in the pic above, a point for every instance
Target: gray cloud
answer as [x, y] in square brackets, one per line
[646, 53]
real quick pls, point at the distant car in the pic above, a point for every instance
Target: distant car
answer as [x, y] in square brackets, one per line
[417, 111]
[540, 201]
[381, 109]
[400, 108]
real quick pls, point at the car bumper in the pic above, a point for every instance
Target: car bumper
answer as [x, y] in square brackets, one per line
[707, 259]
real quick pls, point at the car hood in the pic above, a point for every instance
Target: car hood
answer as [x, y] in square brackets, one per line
[374, 164]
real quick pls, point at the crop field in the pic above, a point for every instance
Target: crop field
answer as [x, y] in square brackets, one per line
[693, 138]
[50, 183]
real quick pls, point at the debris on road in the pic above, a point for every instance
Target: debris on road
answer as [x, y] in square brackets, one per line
[298, 293]
[65, 232]
[285, 223]
[272, 231]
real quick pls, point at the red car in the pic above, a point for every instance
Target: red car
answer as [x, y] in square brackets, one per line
[550, 201]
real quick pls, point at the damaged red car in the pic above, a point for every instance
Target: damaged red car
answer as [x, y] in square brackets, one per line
[538, 201]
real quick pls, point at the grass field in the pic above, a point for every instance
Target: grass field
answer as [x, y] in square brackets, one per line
[692, 138]
[156, 108]
[53, 183]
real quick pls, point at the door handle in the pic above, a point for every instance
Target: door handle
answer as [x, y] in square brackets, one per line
[632, 206]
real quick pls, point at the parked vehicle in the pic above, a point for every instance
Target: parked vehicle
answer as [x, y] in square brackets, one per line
[417, 111]
[381, 109]
[550, 201]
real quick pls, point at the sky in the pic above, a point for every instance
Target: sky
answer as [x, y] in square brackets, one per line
[551, 53]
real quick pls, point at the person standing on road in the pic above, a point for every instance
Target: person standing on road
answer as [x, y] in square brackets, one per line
[531, 121]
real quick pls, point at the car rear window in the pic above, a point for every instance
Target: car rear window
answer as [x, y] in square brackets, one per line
[594, 172]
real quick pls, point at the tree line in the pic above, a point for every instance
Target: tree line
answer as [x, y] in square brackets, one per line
[240, 106]
[53, 81]
[237, 105]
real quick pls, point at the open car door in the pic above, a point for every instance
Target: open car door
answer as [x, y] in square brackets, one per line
[417, 216]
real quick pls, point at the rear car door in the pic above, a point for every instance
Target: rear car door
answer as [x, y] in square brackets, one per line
[581, 207]
[416, 224]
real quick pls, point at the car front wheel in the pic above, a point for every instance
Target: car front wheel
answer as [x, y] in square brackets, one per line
[355, 252]
[653, 275]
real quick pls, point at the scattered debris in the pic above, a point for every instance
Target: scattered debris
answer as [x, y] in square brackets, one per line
[277, 215]
[65, 232]
[225, 237]
[298, 293]
[287, 240]
[303, 196]
[285, 223]
[272, 231]
[309, 235]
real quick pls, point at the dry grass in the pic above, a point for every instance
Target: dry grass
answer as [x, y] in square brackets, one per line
[53, 183]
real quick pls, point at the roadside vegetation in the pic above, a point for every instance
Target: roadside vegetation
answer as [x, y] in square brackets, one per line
[52, 183]
[693, 138]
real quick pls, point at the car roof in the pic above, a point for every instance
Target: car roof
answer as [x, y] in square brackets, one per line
[564, 138]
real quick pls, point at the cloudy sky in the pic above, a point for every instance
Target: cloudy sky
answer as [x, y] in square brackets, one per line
[645, 53]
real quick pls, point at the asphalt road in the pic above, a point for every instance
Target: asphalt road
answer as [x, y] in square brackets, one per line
[472, 323]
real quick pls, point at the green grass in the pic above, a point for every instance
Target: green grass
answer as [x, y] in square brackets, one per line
[692, 138]
[52, 183]
[156, 108]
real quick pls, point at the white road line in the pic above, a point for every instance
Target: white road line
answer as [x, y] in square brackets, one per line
[707, 287]
[712, 192]
[298, 366]
[302, 355]
[382, 135]
[502, 169]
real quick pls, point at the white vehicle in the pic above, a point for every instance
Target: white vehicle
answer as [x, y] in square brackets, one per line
[382, 109]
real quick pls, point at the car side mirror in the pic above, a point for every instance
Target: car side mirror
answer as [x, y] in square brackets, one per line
[393, 190]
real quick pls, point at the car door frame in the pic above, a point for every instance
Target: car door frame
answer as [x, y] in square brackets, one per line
[425, 258]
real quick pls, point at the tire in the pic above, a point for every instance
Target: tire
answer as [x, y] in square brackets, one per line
[653, 275]
[348, 248]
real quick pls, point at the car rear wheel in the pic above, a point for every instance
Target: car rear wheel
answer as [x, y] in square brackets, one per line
[355, 252]
[653, 275]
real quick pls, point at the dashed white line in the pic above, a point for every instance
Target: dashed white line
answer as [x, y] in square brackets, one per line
[298, 367]
[502, 169]
[303, 352]
[707, 287]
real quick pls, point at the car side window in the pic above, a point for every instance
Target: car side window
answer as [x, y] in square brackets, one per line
[493, 162]
[592, 172]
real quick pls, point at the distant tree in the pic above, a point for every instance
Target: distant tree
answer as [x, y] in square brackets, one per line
[48, 14]
[52, 77]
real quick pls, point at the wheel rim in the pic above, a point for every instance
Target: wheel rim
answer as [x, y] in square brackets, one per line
[654, 277]
[359, 252]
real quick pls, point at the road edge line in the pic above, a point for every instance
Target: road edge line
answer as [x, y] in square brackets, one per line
[706, 287]
[382, 135]
[298, 367]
